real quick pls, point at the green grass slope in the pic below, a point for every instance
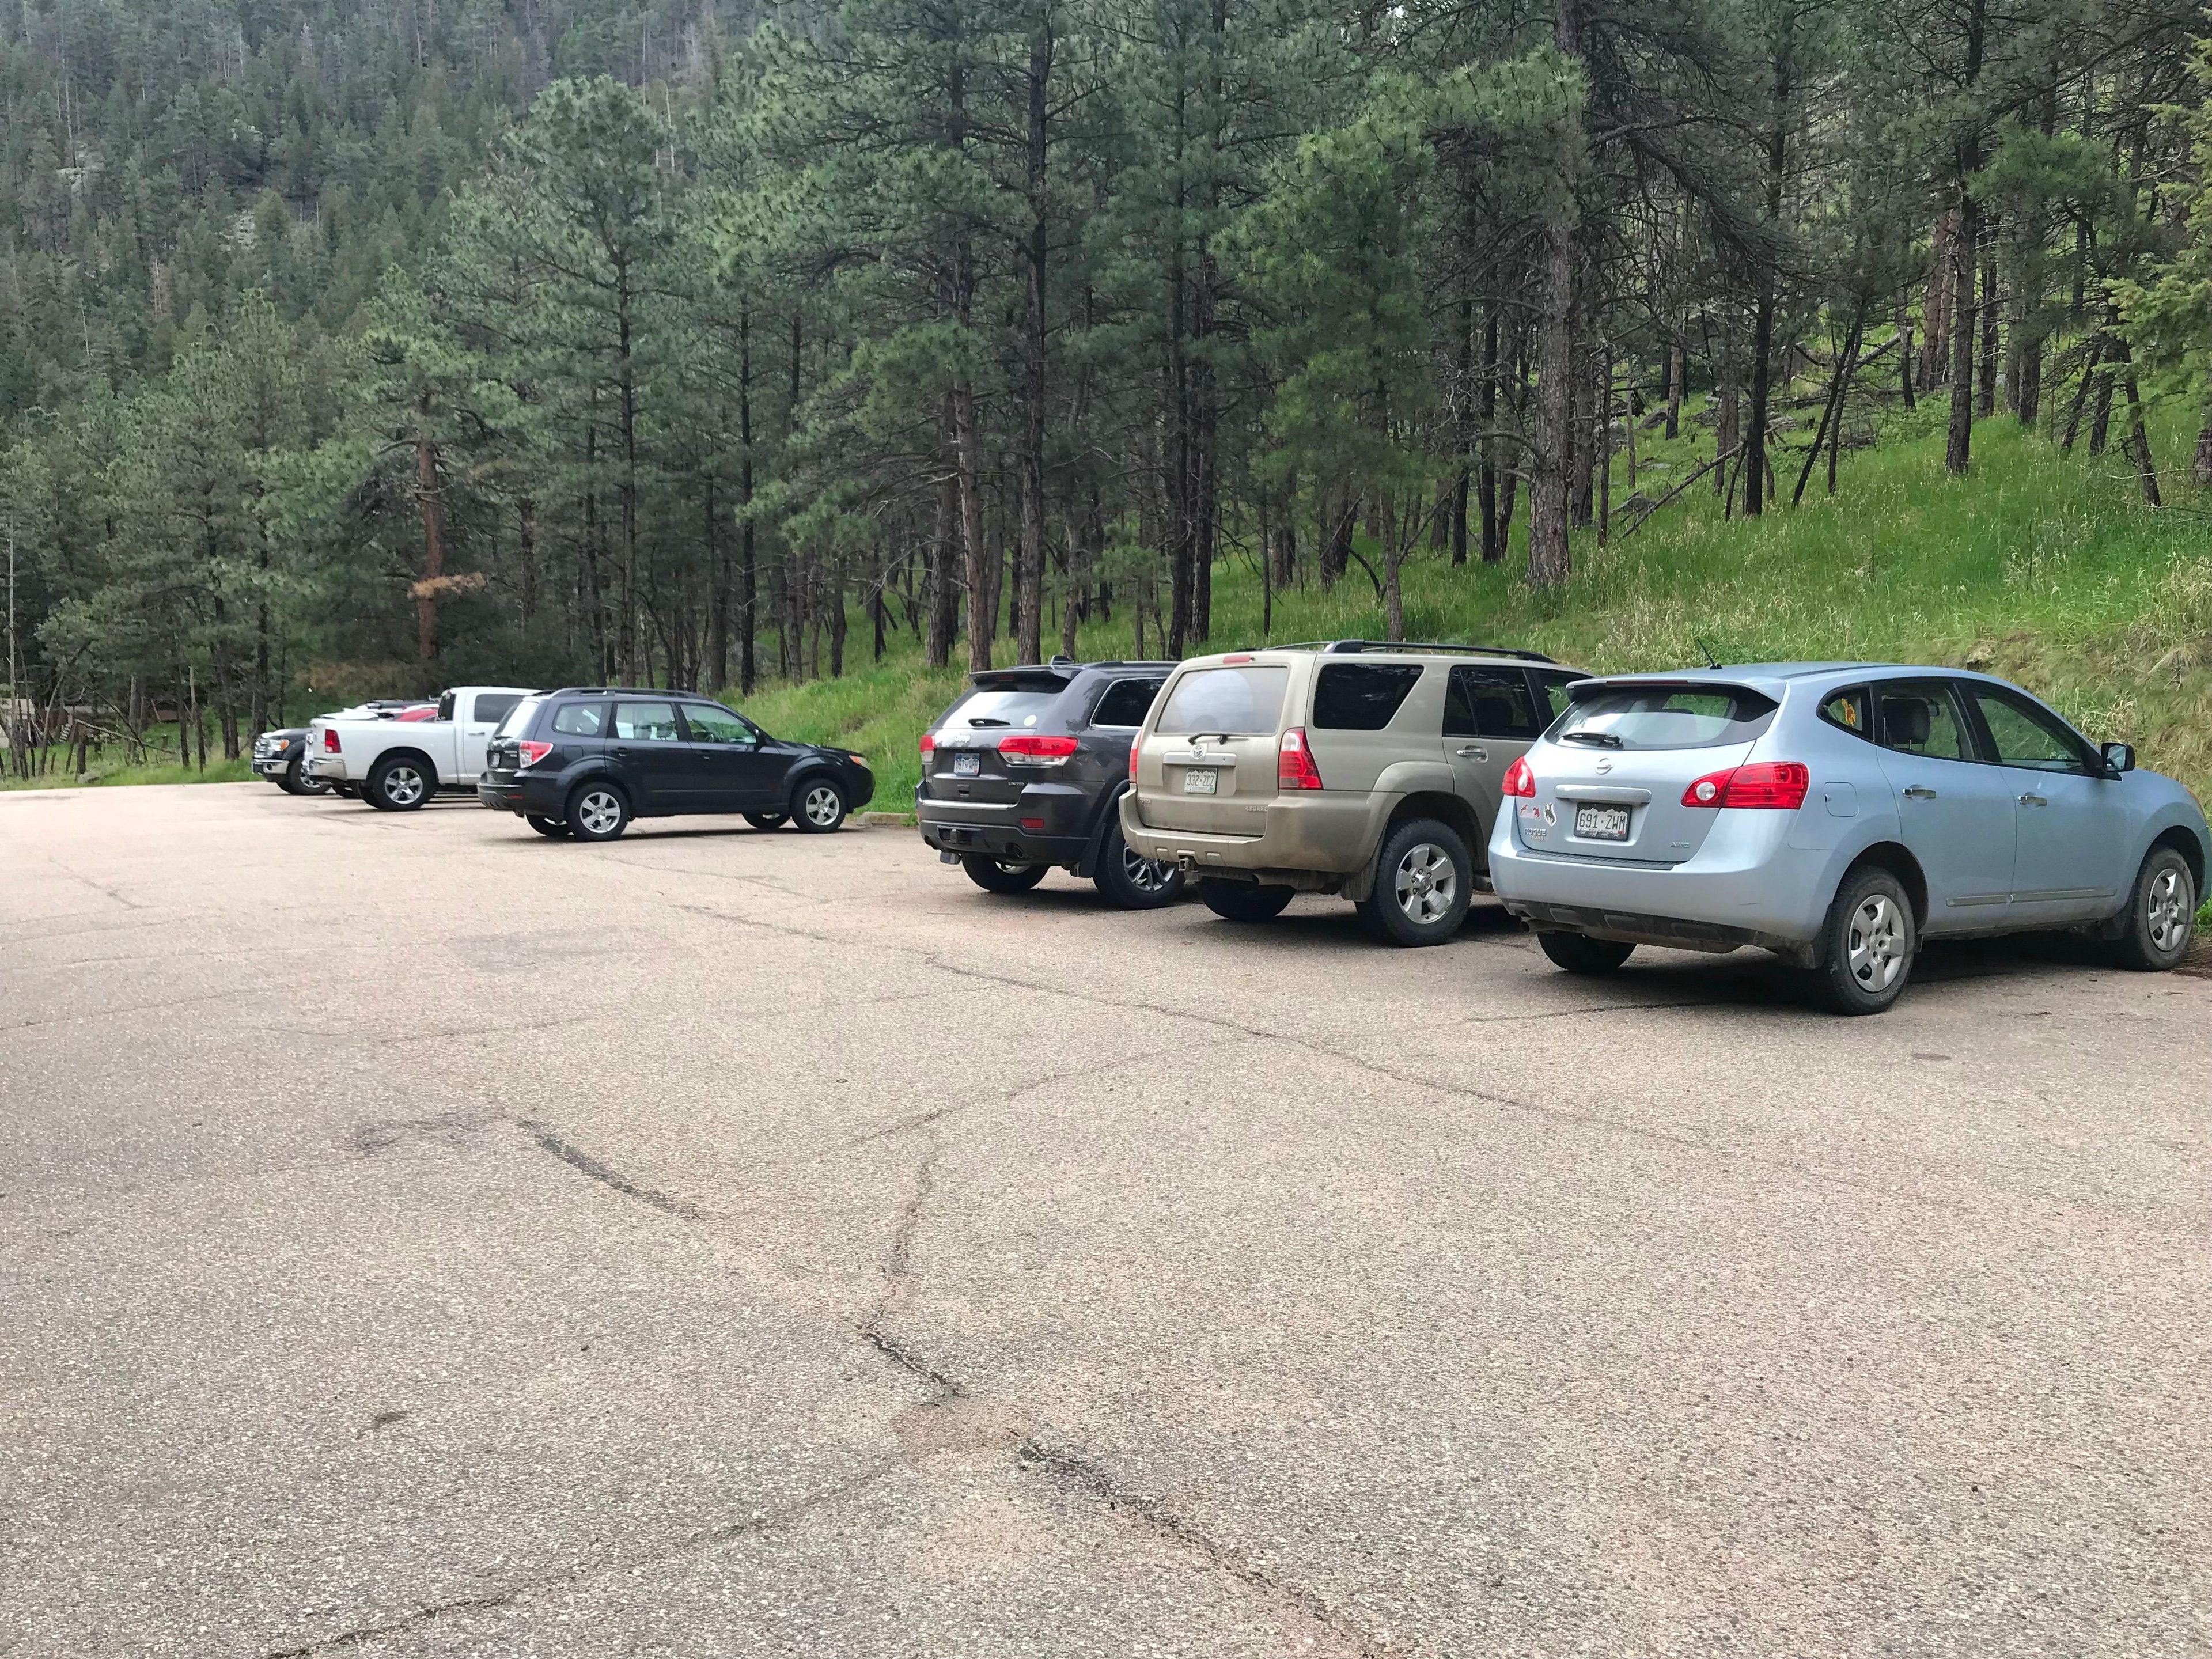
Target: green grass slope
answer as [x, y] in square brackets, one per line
[2041, 567]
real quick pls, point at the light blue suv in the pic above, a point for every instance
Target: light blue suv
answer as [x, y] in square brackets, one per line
[1838, 814]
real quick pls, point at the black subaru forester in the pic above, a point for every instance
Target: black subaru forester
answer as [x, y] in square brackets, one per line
[1026, 771]
[585, 760]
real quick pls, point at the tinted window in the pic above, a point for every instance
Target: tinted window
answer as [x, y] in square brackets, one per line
[1853, 710]
[1126, 702]
[645, 722]
[494, 707]
[1919, 720]
[445, 707]
[580, 720]
[1362, 696]
[989, 708]
[519, 717]
[1490, 702]
[1554, 688]
[1226, 699]
[2027, 736]
[710, 722]
[1664, 717]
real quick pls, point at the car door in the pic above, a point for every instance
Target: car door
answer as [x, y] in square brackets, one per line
[733, 771]
[1491, 717]
[1955, 814]
[650, 756]
[487, 710]
[2070, 835]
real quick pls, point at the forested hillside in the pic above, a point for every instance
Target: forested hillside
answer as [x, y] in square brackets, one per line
[367, 348]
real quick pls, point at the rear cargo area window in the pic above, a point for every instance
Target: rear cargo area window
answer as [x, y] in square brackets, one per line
[496, 706]
[580, 720]
[1126, 702]
[1665, 717]
[1232, 701]
[1363, 696]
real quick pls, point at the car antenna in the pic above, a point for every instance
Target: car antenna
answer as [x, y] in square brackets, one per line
[1711, 661]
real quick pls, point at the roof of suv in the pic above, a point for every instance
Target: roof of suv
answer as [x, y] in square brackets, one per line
[1064, 668]
[618, 691]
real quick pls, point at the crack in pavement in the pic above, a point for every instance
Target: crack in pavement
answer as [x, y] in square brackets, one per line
[578, 1158]
[898, 1278]
[688, 1544]
[900, 1126]
[142, 1008]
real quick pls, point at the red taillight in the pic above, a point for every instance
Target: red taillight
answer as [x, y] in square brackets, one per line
[329, 740]
[533, 753]
[928, 743]
[1519, 780]
[1024, 749]
[1775, 786]
[1132, 762]
[1294, 764]
[1237, 657]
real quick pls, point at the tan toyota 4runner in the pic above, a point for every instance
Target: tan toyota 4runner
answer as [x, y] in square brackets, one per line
[1372, 771]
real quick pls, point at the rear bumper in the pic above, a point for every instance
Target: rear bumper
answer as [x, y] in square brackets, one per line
[1007, 845]
[1048, 824]
[331, 768]
[1746, 885]
[519, 793]
[1297, 838]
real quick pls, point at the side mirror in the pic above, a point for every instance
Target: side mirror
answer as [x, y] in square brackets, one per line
[2120, 758]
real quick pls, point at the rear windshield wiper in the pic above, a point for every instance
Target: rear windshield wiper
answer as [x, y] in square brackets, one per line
[1604, 740]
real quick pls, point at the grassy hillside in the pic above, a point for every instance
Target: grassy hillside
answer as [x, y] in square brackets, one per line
[2040, 567]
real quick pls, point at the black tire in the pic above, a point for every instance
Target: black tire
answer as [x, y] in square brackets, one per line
[1133, 883]
[1578, 953]
[597, 811]
[298, 781]
[992, 877]
[817, 805]
[767, 820]
[551, 828]
[2162, 915]
[1423, 878]
[400, 783]
[345, 792]
[1240, 901]
[1867, 945]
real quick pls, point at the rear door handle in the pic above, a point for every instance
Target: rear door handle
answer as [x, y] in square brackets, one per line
[2033, 800]
[622, 754]
[1473, 752]
[1915, 792]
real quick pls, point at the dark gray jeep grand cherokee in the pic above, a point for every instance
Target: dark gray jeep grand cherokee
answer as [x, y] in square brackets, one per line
[1026, 770]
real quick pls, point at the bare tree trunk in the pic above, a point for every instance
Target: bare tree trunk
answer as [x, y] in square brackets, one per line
[431, 502]
[1986, 403]
[1493, 544]
[2138, 438]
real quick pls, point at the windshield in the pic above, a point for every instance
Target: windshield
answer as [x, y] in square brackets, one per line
[519, 717]
[1231, 701]
[992, 708]
[1663, 717]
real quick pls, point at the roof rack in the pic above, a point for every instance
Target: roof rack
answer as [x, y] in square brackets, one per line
[1354, 648]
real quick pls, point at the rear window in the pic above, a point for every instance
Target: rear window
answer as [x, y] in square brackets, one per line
[1126, 702]
[1229, 701]
[1664, 717]
[991, 708]
[1362, 696]
[519, 717]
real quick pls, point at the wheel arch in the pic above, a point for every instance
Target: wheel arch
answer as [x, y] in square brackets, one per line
[2186, 841]
[1896, 858]
[1446, 807]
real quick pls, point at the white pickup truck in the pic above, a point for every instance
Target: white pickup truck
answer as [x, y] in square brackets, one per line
[397, 767]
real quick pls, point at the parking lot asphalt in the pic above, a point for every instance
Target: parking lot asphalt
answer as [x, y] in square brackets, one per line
[417, 1238]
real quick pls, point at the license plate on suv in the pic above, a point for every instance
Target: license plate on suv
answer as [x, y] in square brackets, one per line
[967, 764]
[1202, 780]
[1601, 823]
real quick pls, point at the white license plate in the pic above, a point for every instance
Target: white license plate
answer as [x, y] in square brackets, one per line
[1601, 823]
[1202, 780]
[967, 765]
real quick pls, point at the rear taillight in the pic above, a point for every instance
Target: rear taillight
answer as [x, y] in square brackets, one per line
[1775, 786]
[1132, 762]
[1294, 763]
[1024, 749]
[928, 743]
[1519, 780]
[531, 753]
[329, 740]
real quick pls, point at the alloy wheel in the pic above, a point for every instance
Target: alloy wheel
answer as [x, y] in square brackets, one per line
[2168, 906]
[1426, 883]
[1875, 948]
[599, 813]
[403, 786]
[822, 805]
[1146, 875]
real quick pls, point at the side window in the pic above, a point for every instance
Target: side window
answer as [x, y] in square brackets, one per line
[645, 722]
[445, 707]
[1490, 702]
[1362, 696]
[1851, 710]
[580, 720]
[2027, 736]
[1126, 702]
[493, 707]
[1553, 688]
[709, 722]
[1920, 718]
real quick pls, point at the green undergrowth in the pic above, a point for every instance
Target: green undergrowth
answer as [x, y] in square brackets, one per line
[101, 776]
